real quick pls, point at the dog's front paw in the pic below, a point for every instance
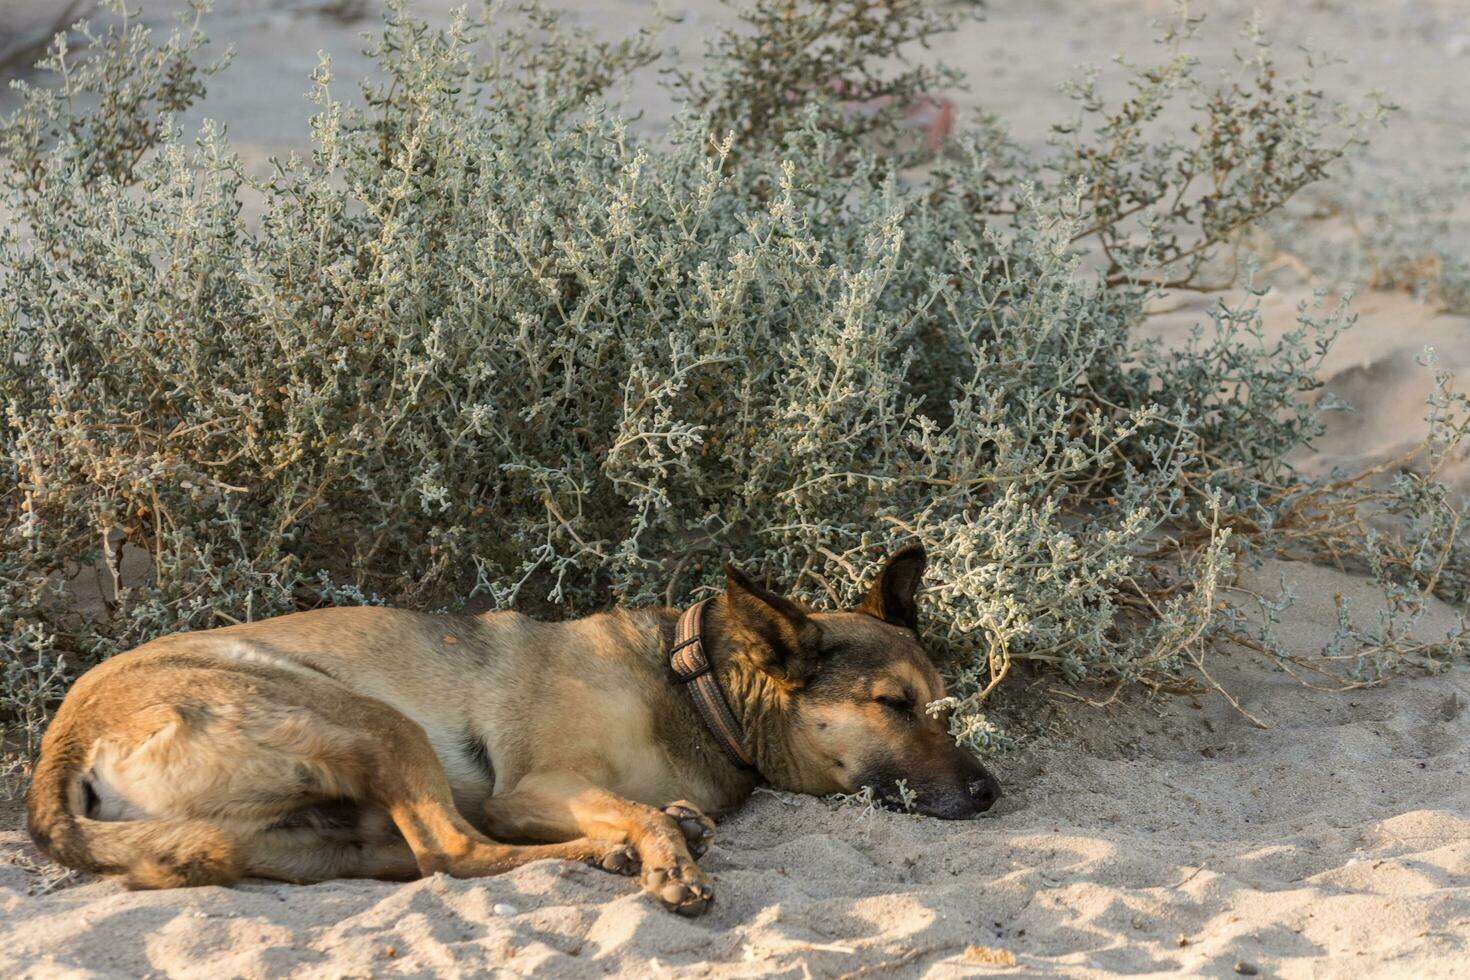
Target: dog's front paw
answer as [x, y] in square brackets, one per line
[682, 888]
[619, 859]
[698, 829]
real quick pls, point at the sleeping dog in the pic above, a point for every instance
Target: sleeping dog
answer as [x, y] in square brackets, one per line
[370, 742]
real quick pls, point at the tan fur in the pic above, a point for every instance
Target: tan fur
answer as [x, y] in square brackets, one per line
[380, 743]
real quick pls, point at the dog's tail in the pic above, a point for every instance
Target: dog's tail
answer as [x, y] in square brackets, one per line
[147, 853]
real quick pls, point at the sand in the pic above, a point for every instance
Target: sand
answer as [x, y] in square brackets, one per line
[1162, 836]
[1158, 838]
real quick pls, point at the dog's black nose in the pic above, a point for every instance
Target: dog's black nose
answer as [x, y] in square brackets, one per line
[984, 792]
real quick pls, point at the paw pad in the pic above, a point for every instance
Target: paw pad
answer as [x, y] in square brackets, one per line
[698, 830]
[620, 861]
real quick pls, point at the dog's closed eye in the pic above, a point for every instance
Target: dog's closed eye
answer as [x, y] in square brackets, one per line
[902, 703]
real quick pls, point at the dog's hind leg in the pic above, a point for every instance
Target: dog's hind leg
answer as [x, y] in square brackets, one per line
[191, 785]
[335, 839]
[559, 806]
[302, 855]
[410, 784]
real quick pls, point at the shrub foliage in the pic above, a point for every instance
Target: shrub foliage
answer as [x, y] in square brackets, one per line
[481, 342]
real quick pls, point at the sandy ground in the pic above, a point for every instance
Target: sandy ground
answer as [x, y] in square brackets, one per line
[1155, 837]
[1159, 838]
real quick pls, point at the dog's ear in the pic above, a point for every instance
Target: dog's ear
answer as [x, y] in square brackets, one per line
[892, 596]
[781, 638]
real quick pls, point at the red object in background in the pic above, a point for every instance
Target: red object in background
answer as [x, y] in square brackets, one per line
[932, 115]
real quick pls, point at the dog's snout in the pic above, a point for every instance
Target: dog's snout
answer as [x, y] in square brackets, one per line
[984, 792]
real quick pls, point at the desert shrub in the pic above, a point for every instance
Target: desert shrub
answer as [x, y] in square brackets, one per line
[481, 343]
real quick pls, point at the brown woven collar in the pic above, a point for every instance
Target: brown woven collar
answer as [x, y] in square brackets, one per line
[693, 669]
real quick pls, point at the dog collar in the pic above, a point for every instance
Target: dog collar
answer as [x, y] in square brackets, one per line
[692, 667]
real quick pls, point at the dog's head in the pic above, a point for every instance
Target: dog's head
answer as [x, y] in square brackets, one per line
[846, 694]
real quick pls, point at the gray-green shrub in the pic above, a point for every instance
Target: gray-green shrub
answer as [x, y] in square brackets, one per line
[480, 342]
